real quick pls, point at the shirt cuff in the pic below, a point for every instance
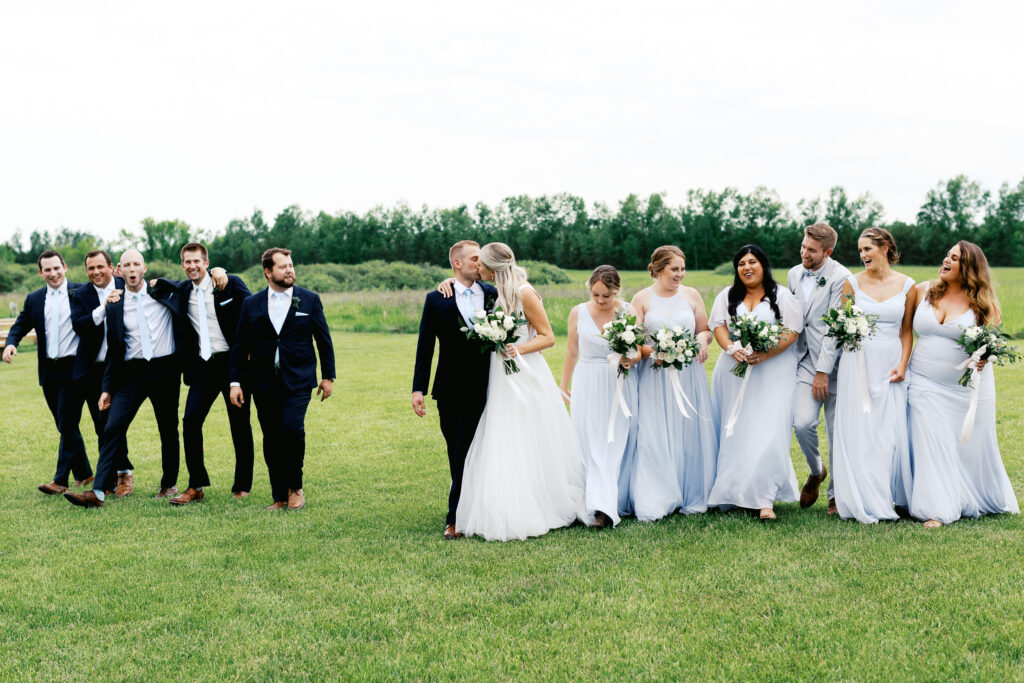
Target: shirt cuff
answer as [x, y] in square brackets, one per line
[99, 314]
[236, 384]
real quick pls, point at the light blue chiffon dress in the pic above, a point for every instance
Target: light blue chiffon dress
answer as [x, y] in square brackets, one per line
[674, 466]
[872, 449]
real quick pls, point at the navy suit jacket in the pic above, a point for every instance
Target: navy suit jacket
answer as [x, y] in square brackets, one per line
[115, 372]
[90, 335]
[228, 304]
[462, 369]
[33, 317]
[252, 355]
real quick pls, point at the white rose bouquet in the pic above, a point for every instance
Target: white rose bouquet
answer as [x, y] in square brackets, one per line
[493, 331]
[675, 347]
[849, 325]
[625, 337]
[984, 342]
[752, 334]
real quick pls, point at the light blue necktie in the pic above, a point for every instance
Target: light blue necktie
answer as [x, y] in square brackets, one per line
[468, 295]
[147, 341]
[53, 325]
[204, 326]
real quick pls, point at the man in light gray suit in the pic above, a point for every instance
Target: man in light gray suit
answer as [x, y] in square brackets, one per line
[818, 283]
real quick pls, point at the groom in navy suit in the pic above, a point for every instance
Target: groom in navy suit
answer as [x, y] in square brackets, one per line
[460, 383]
[272, 356]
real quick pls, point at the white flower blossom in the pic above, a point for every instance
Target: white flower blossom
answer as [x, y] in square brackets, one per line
[628, 336]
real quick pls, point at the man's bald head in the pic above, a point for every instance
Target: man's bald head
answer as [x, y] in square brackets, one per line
[133, 268]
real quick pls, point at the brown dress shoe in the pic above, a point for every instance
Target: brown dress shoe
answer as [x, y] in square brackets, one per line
[168, 492]
[450, 533]
[85, 500]
[52, 489]
[809, 493]
[82, 483]
[296, 501]
[125, 485]
[191, 495]
[240, 494]
[831, 507]
[278, 505]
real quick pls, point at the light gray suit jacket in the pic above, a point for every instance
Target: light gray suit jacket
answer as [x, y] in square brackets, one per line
[815, 351]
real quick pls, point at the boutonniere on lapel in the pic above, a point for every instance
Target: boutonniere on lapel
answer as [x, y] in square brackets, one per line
[295, 302]
[489, 300]
[72, 293]
[822, 281]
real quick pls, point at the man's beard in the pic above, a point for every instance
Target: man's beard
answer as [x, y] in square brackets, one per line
[282, 283]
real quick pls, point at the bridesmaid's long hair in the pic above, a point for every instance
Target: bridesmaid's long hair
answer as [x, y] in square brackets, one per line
[976, 281]
[739, 290]
[508, 277]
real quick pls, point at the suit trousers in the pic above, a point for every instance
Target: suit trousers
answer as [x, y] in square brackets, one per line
[64, 398]
[211, 380]
[458, 425]
[159, 380]
[282, 416]
[806, 416]
[92, 387]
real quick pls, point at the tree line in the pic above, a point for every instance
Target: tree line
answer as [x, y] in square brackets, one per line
[562, 229]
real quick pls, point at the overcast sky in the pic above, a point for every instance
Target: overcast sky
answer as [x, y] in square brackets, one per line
[203, 111]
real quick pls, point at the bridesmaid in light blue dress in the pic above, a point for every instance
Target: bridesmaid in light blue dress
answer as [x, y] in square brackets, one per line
[953, 480]
[871, 449]
[754, 467]
[594, 379]
[674, 466]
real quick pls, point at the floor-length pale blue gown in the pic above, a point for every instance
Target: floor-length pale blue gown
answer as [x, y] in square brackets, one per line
[593, 400]
[951, 480]
[754, 467]
[871, 449]
[674, 466]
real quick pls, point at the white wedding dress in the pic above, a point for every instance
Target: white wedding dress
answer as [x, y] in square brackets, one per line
[524, 471]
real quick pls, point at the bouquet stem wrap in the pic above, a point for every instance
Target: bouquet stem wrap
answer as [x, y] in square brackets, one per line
[619, 401]
[735, 412]
[972, 410]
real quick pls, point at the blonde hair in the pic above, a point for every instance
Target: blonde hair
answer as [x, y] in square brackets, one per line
[456, 250]
[823, 233]
[508, 277]
[663, 256]
[976, 282]
[880, 237]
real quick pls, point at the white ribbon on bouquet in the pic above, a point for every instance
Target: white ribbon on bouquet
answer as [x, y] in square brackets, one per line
[865, 395]
[968, 427]
[681, 397]
[619, 401]
[735, 412]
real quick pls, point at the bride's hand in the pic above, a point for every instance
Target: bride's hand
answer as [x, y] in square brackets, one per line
[446, 287]
[510, 352]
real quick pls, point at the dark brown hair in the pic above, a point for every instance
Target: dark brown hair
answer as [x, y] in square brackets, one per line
[268, 256]
[880, 237]
[976, 281]
[99, 252]
[606, 274]
[49, 253]
[663, 256]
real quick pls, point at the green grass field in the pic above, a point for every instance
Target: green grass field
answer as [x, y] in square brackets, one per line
[360, 585]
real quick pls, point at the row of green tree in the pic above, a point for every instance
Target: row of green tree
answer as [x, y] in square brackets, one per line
[562, 229]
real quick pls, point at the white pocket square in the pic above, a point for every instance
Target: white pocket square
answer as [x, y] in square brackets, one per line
[299, 314]
[227, 301]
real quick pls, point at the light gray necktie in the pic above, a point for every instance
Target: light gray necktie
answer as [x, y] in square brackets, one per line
[204, 326]
[467, 294]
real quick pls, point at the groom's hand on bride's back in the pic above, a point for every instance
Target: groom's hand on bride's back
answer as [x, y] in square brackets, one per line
[446, 287]
[418, 405]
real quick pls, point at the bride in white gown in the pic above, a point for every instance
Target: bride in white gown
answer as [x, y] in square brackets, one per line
[524, 472]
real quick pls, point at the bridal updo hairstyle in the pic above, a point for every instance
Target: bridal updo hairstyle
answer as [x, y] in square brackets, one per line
[880, 237]
[508, 277]
[607, 275]
[976, 281]
[663, 256]
[739, 290]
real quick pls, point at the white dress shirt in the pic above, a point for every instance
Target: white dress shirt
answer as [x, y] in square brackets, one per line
[277, 307]
[218, 344]
[809, 282]
[57, 315]
[468, 306]
[161, 330]
[99, 316]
